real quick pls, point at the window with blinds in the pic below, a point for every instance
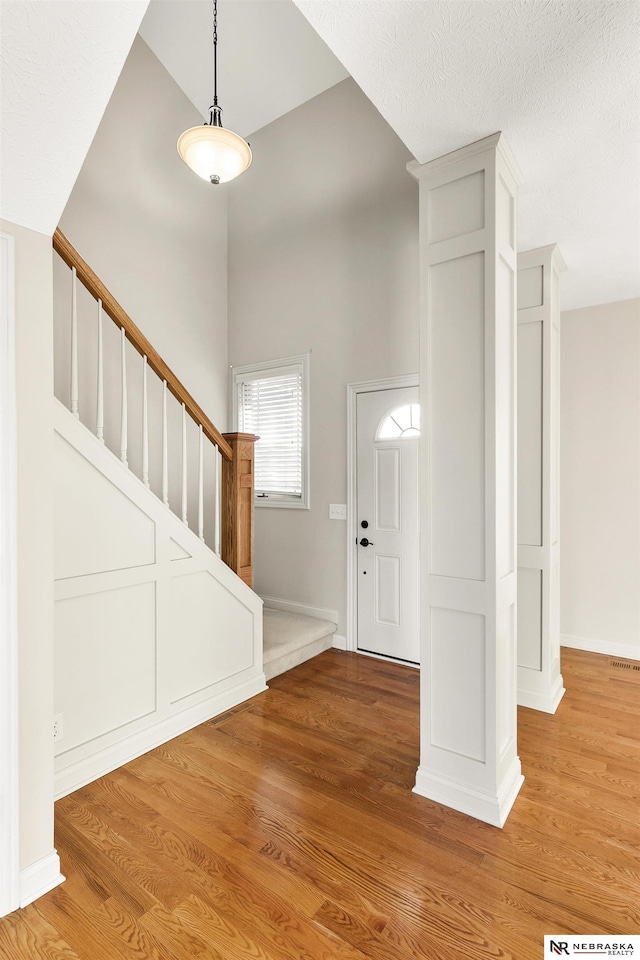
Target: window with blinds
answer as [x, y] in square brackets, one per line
[270, 401]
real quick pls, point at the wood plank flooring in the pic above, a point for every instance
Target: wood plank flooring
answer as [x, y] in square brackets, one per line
[286, 830]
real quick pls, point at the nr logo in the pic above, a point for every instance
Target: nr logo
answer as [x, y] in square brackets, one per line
[559, 947]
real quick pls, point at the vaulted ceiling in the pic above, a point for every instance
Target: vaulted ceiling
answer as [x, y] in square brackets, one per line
[59, 63]
[560, 78]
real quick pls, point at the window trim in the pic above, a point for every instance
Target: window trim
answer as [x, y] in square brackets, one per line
[282, 366]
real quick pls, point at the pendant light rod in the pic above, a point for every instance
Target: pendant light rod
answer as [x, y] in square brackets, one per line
[215, 112]
[215, 154]
[215, 53]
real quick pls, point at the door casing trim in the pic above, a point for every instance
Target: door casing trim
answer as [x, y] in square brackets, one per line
[353, 389]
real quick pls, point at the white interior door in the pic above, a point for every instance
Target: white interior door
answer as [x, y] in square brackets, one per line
[387, 432]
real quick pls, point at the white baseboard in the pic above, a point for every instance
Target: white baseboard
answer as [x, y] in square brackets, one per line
[39, 877]
[610, 648]
[466, 799]
[545, 700]
[78, 774]
[339, 642]
[302, 609]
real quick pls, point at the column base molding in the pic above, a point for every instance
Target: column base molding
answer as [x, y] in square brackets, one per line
[492, 809]
[545, 700]
[39, 877]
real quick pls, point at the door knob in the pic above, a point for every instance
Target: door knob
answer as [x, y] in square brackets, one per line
[365, 543]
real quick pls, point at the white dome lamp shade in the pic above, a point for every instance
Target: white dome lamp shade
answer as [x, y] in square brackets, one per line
[215, 154]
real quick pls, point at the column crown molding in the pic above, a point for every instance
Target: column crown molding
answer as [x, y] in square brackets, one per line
[496, 142]
[550, 254]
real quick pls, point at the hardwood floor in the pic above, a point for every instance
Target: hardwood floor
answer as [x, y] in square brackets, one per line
[286, 830]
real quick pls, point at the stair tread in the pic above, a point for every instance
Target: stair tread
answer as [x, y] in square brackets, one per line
[286, 632]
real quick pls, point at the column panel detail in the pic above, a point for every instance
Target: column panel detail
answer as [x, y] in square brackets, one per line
[540, 683]
[468, 266]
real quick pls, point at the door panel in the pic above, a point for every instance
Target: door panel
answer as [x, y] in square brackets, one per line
[388, 505]
[388, 590]
[387, 488]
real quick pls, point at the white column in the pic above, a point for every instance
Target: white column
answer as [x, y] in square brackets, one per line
[468, 756]
[540, 682]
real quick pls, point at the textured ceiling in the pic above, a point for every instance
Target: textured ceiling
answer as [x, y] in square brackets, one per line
[60, 62]
[560, 79]
[269, 59]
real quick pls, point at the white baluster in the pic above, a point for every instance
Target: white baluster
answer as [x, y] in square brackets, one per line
[123, 407]
[145, 426]
[218, 501]
[184, 465]
[165, 447]
[74, 344]
[200, 485]
[100, 399]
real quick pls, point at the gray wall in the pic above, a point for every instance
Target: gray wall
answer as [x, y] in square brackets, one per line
[600, 478]
[323, 256]
[154, 232]
[156, 235]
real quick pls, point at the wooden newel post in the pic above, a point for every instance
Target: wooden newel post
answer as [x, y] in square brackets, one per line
[237, 505]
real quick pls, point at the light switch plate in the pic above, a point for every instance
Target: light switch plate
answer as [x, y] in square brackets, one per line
[337, 511]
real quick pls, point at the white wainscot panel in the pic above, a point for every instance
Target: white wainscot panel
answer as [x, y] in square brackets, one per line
[177, 552]
[554, 493]
[505, 417]
[388, 488]
[104, 673]
[458, 682]
[96, 526]
[506, 678]
[211, 636]
[529, 287]
[530, 433]
[530, 618]
[456, 208]
[456, 412]
[554, 604]
[388, 590]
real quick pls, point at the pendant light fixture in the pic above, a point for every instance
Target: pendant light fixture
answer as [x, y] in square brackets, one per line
[215, 154]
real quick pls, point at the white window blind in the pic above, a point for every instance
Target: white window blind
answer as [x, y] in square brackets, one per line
[270, 402]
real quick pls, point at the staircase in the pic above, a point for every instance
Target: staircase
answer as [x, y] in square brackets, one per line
[157, 627]
[291, 639]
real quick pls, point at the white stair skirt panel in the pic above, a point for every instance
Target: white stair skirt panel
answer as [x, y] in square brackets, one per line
[540, 684]
[291, 639]
[468, 266]
[153, 632]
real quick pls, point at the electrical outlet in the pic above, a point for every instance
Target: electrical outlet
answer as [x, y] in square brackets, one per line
[337, 511]
[58, 731]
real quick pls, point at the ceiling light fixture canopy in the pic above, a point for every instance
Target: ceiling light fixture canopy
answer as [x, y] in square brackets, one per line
[215, 154]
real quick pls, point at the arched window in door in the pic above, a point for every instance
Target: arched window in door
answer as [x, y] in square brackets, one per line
[402, 423]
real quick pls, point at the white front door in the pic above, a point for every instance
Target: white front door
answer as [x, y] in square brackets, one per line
[387, 429]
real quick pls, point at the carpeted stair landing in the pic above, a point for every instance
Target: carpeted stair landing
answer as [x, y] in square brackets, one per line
[290, 639]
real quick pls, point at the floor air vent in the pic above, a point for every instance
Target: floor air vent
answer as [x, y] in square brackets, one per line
[624, 666]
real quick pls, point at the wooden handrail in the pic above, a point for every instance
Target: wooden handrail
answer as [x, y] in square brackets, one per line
[135, 336]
